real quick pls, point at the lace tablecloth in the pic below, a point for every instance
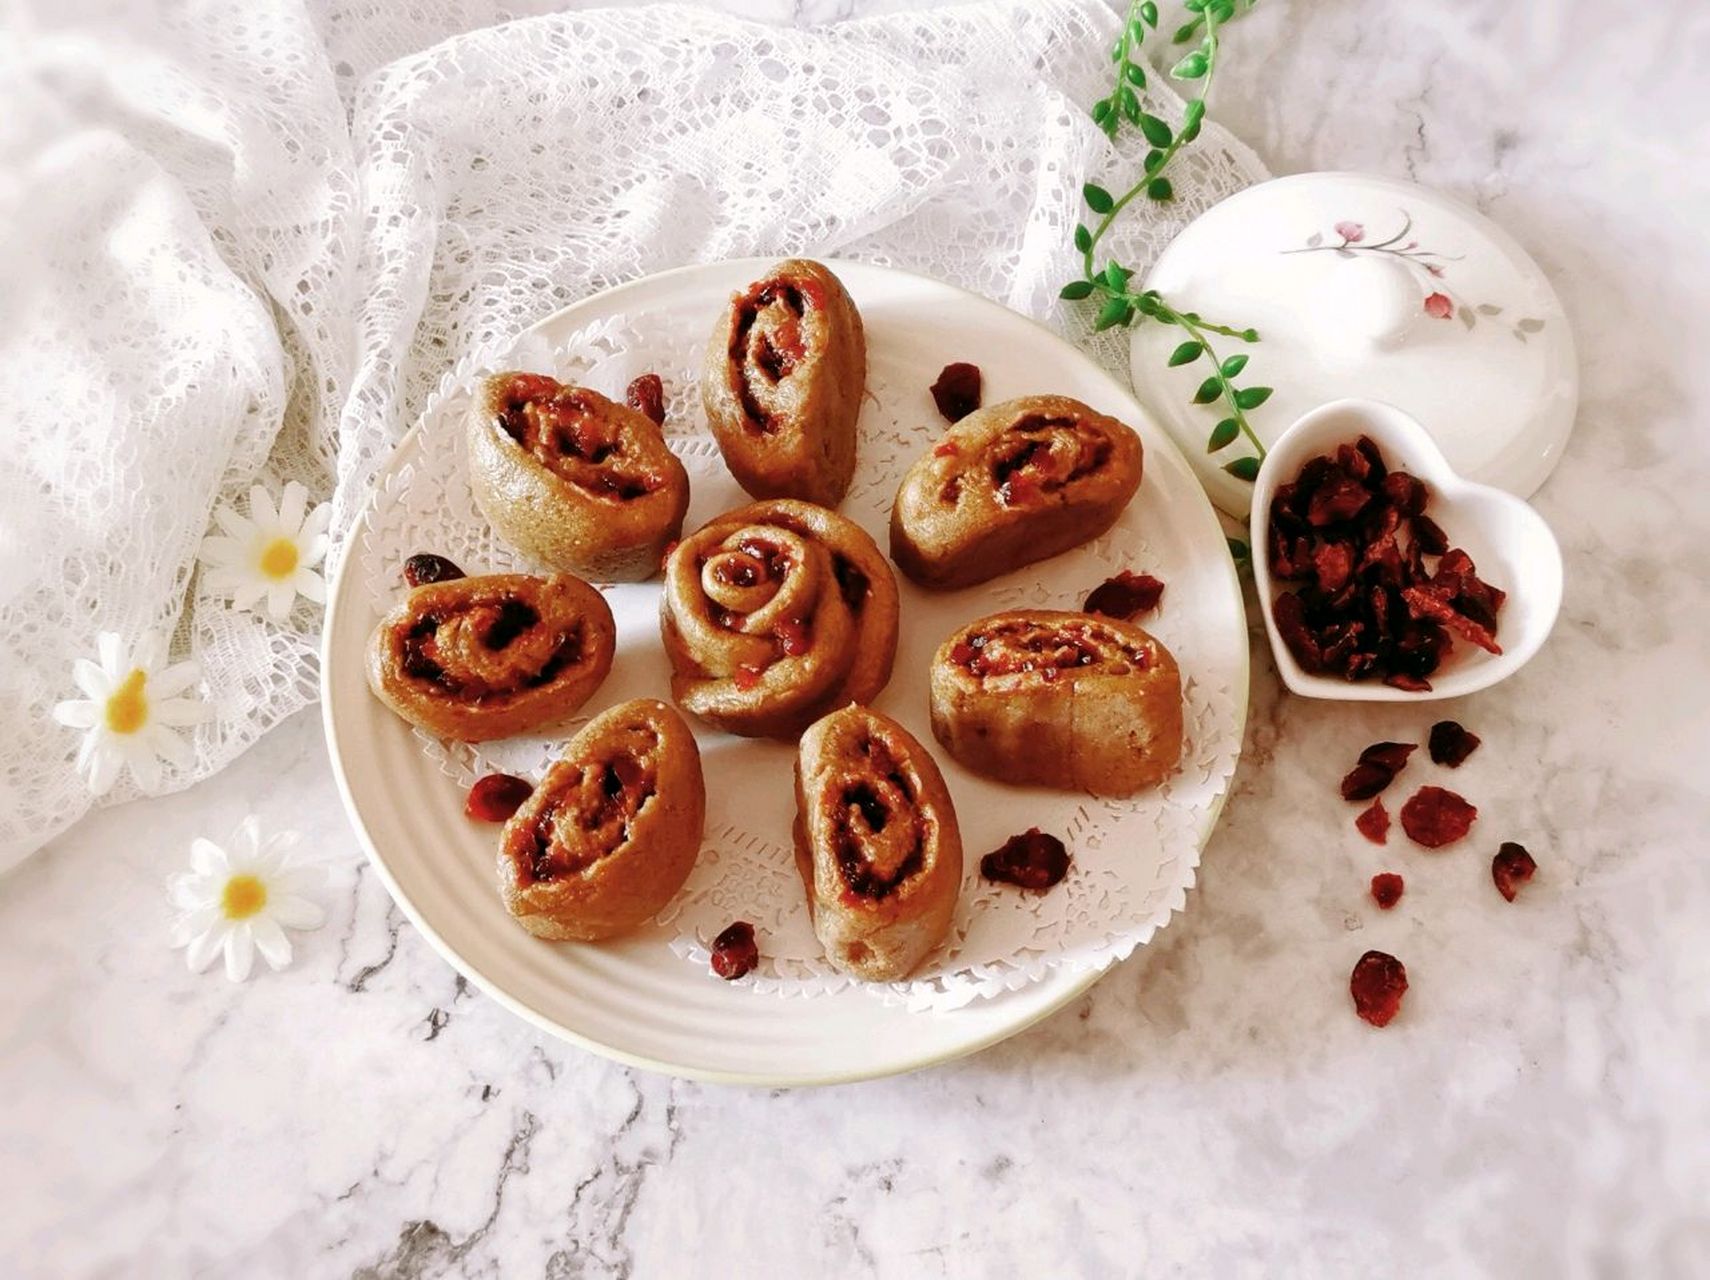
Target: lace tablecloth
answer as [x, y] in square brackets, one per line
[245, 241]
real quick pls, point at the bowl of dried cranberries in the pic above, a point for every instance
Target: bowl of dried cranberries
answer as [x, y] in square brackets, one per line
[1385, 576]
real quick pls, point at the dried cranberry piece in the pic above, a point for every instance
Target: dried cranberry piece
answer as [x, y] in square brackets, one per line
[1510, 868]
[1032, 860]
[734, 951]
[1373, 822]
[1451, 744]
[425, 567]
[1387, 888]
[1289, 610]
[496, 797]
[1428, 535]
[647, 395]
[1339, 497]
[1377, 985]
[1376, 769]
[1406, 493]
[957, 391]
[1127, 595]
[1435, 817]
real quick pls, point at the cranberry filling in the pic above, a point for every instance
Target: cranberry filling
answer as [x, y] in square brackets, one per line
[646, 395]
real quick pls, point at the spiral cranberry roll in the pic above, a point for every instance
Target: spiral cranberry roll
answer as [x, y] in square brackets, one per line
[611, 832]
[577, 481]
[1010, 484]
[773, 614]
[876, 844]
[1064, 700]
[492, 656]
[782, 385]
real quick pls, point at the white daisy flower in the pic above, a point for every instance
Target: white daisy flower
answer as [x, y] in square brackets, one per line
[130, 713]
[240, 902]
[272, 553]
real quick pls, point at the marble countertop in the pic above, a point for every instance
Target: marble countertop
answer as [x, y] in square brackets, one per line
[1212, 1106]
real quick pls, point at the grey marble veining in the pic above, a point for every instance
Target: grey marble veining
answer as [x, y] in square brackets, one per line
[1212, 1106]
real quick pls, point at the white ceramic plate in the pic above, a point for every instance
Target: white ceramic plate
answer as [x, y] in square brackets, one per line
[634, 1000]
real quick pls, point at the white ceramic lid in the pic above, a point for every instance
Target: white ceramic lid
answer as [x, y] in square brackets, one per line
[1365, 286]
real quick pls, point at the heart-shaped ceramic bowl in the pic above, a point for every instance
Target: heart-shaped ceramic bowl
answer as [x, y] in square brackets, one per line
[1508, 541]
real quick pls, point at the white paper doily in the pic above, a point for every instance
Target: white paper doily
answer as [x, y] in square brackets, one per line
[1134, 859]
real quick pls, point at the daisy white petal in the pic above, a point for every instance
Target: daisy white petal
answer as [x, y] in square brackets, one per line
[311, 586]
[193, 924]
[173, 681]
[182, 711]
[167, 745]
[248, 593]
[262, 513]
[208, 858]
[188, 890]
[112, 651]
[150, 650]
[248, 836]
[271, 941]
[204, 948]
[280, 597]
[238, 529]
[90, 678]
[78, 714]
[86, 750]
[293, 502]
[106, 763]
[219, 552]
[281, 842]
[145, 768]
[298, 913]
[240, 952]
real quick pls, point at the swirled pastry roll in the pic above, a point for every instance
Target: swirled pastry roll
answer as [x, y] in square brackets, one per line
[492, 656]
[876, 843]
[611, 832]
[1010, 484]
[580, 482]
[775, 612]
[782, 385]
[1059, 699]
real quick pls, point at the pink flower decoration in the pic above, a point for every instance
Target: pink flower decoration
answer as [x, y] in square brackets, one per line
[1438, 304]
[1351, 232]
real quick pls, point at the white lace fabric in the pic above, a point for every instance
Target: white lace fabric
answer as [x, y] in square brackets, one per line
[244, 243]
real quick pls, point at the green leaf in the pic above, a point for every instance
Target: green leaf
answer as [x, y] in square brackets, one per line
[1097, 198]
[1115, 311]
[1156, 131]
[1194, 6]
[1185, 354]
[1191, 67]
[1239, 550]
[1116, 276]
[1149, 12]
[1101, 110]
[1135, 75]
[1154, 158]
[1185, 32]
[1233, 365]
[1208, 391]
[1117, 51]
[1130, 105]
[1160, 189]
[1075, 290]
[1083, 239]
[1243, 469]
[1192, 117]
[1223, 10]
[1222, 435]
[1136, 33]
[1252, 397]
[1249, 335]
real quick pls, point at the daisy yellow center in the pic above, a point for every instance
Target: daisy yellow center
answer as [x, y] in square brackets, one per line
[243, 897]
[127, 705]
[279, 558]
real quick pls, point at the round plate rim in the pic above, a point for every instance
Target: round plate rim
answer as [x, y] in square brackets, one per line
[1062, 988]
